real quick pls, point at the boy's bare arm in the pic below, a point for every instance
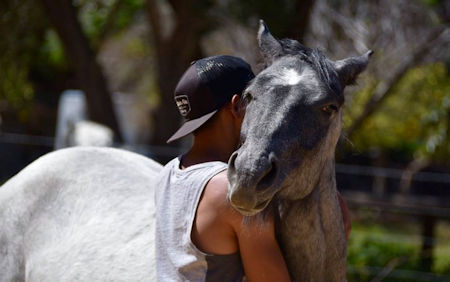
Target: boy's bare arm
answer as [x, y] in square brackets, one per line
[260, 252]
[261, 255]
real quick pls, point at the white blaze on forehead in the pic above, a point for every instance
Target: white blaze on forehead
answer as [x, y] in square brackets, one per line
[289, 76]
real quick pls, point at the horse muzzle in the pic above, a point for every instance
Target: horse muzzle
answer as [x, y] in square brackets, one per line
[251, 190]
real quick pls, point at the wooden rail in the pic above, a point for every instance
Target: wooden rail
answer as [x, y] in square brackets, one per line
[426, 208]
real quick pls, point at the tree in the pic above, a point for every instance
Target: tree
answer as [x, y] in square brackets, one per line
[286, 18]
[399, 112]
[22, 27]
[385, 88]
[176, 47]
[401, 43]
[63, 16]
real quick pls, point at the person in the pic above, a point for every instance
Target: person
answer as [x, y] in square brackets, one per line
[199, 236]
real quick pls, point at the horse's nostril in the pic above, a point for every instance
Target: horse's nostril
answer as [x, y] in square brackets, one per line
[232, 160]
[232, 168]
[269, 175]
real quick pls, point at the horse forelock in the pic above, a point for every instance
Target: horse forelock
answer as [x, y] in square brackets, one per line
[315, 59]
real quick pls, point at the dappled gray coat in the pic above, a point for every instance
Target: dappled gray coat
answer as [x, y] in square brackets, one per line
[286, 161]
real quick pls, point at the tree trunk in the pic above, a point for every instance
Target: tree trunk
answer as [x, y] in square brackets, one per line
[298, 28]
[62, 14]
[174, 53]
[428, 242]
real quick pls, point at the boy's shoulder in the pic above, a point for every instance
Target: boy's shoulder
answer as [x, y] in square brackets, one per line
[217, 187]
[216, 194]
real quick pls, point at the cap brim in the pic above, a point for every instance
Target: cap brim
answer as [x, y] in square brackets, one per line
[190, 126]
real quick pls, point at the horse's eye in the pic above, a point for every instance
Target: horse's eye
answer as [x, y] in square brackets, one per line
[329, 109]
[247, 97]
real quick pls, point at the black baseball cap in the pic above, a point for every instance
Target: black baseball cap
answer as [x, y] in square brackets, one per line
[206, 86]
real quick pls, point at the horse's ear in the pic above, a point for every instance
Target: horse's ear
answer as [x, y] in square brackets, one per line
[349, 69]
[269, 46]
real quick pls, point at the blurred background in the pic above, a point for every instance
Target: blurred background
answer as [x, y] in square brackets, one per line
[102, 72]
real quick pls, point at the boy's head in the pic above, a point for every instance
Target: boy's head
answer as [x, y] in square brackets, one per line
[206, 86]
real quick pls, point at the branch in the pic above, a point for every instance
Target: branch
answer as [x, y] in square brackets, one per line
[412, 169]
[384, 88]
[109, 23]
[392, 264]
[177, 5]
[154, 17]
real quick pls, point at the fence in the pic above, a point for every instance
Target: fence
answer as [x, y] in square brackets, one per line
[429, 209]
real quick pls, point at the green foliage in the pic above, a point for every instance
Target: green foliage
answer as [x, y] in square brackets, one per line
[129, 9]
[91, 15]
[373, 247]
[442, 251]
[14, 85]
[30, 46]
[413, 120]
[51, 53]
[431, 2]
[21, 27]
[104, 16]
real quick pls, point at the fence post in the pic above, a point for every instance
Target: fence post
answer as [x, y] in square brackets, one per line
[428, 241]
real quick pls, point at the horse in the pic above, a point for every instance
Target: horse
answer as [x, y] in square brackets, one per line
[87, 213]
[80, 214]
[286, 159]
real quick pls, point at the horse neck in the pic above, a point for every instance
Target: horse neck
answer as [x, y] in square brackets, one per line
[325, 184]
[310, 230]
[327, 178]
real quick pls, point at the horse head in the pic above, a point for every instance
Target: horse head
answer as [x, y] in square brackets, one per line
[292, 123]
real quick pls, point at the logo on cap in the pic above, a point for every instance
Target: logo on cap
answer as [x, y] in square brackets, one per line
[183, 104]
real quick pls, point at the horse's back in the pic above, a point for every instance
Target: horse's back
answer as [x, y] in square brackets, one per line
[83, 214]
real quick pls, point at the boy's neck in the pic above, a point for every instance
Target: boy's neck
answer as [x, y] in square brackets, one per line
[207, 148]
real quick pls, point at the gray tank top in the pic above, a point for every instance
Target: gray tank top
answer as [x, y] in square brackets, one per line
[177, 258]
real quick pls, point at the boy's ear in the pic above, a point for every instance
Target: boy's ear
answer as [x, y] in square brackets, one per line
[236, 106]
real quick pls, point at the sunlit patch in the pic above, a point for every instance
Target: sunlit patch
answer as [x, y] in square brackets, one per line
[292, 77]
[289, 76]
